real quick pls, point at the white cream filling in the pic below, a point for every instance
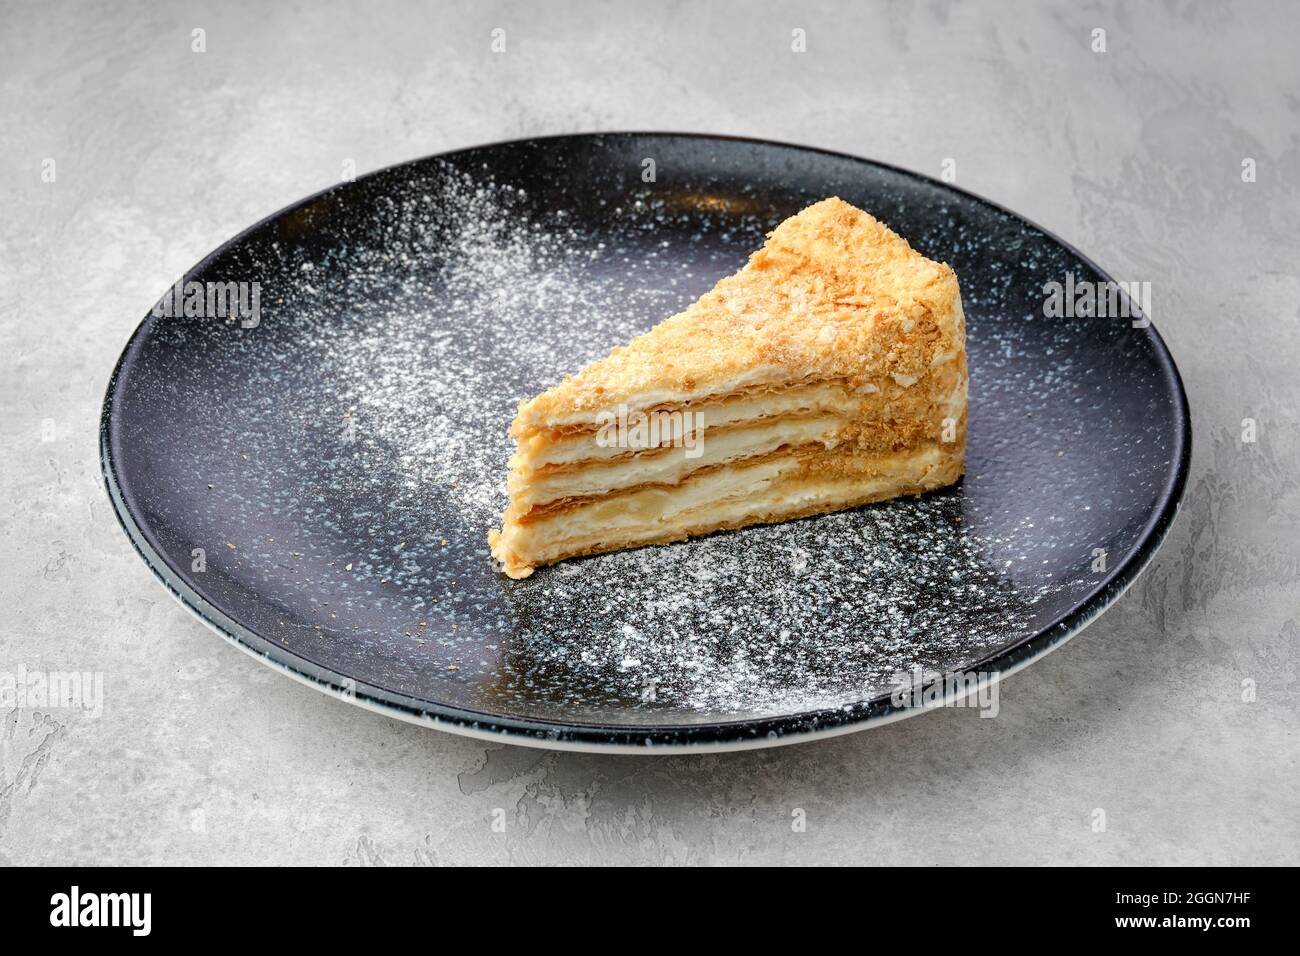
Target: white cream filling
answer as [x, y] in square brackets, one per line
[672, 465]
[587, 446]
[652, 398]
[651, 506]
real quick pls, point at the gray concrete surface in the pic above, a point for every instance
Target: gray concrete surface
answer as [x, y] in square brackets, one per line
[200, 755]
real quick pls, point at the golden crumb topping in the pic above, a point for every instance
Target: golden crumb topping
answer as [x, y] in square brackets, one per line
[833, 294]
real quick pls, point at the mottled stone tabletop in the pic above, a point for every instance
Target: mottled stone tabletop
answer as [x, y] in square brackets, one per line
[1166, 149]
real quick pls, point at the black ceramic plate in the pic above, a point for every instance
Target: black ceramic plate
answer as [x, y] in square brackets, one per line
[318, 486]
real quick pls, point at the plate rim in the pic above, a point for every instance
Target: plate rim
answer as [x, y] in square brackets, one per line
[659, 738]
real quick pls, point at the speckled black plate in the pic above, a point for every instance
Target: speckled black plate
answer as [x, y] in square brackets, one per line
[317, 482]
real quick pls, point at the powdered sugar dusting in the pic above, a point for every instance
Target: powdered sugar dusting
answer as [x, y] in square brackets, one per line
[359, 458]
[806, 615]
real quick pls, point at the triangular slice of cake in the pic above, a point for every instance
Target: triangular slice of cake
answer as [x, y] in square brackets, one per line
[829, 372]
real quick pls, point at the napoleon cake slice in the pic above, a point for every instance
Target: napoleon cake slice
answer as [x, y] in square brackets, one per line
[827, 373]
